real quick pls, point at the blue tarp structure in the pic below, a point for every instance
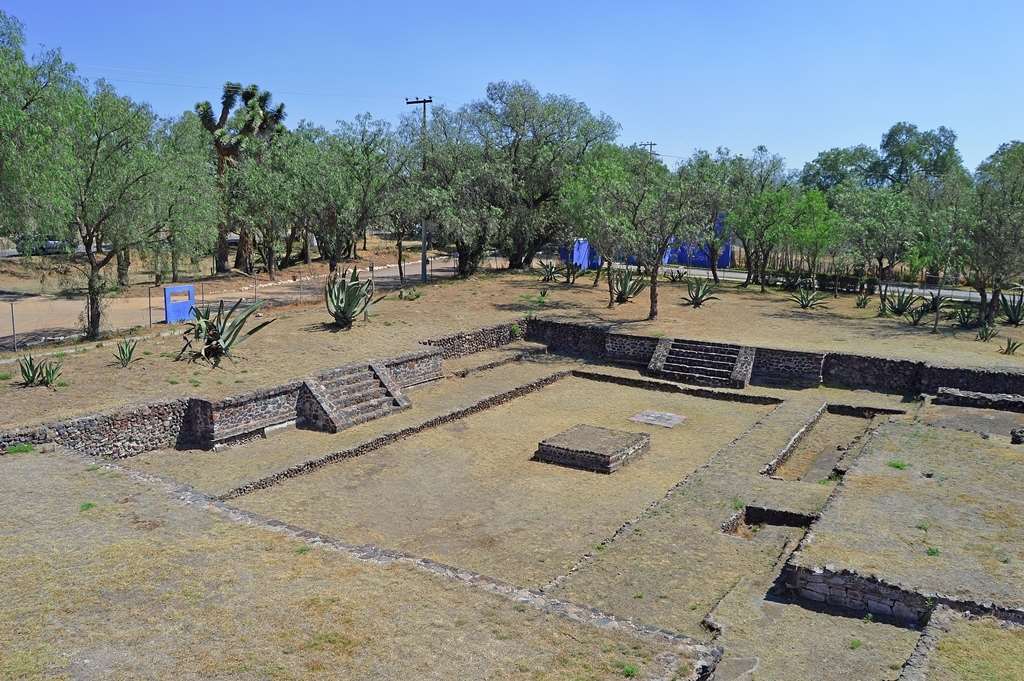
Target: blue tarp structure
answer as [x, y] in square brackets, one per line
[582, 254]
[179, 310]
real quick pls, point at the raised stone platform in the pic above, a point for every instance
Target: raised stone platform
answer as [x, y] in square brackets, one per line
[591, 448]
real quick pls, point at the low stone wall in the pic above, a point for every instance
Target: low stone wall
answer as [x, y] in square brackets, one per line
[569, 338]
[973, 379]
[967, 398]
[255, 410]
[861, 372]
[416, 367]
[117, 434]
[626, 349]
[460, 344]
[786, 368]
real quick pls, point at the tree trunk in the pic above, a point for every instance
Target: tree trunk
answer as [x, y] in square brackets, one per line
[175, 266]
[92, 313]
[220, 255]
[611, 288]
[653, 314]
[713, 261]
[401, 265]
[269, 256]
[124, 263]
[243, 256]
[597, 275]
[307, 256]
[938, 296]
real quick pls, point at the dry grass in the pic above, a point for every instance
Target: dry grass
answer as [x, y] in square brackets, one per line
[137, 586]
[819, 450]
[979, 650]
[468, 493]
[918, 487]
[297, 344]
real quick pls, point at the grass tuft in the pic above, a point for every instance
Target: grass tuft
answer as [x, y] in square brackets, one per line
[898, 464]
[20, 448]
[87, 506]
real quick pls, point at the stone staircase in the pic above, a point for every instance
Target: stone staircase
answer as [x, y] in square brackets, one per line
[347, 396]
[716, 365]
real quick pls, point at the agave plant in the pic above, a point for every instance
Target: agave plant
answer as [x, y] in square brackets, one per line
[699, 291]
[1013, 308]
[936, 302]
[627, 284]
[44, 372]
[212, 337]
[675, 276]
[347, 297]
[410, 294]
[901, 302]
[965, 317]
[808, 298]
[124, 354]
[987, 332]
[917, 314]
[863, 300]
[548, 272]
[1010, 348]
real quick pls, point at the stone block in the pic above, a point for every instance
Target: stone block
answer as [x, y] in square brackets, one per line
[592, 448]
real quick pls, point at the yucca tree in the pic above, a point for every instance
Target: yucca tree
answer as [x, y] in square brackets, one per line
[254, 118]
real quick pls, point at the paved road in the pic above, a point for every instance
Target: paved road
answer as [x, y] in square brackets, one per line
[733, 275]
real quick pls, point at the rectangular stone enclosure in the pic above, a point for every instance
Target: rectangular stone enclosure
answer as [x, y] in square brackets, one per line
[590, 448]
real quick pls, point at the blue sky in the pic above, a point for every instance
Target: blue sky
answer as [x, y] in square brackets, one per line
[797, 77]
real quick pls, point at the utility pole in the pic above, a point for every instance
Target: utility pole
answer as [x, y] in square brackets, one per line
[423, 141]
[650, 147]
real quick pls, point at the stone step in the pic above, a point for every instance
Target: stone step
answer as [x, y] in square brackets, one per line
[353, 378]
[697, 369]
[720, 348]
[368, 406]
[694, 357]
[696, 378]
[341, 400]
[370, 415]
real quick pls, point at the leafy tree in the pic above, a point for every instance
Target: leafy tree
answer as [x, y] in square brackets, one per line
[36, 97]
[112, 167]
[184, 204]
[815, 228]
[878, 219]
[840, 165]
[229, 130]
[994, 229]
[707, 187]
[532, 141]
[906, 152]
[651, 215]
[763, 207]
[597, 202]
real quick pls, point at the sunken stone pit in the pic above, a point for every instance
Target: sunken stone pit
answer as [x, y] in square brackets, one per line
[590, 448]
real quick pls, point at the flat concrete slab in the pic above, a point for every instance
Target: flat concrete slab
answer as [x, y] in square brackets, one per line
[593, 448]
[658, 418]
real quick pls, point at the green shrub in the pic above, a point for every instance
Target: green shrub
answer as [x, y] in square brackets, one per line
[211, 338]
[410, 294]
[516, 331]
[808, 299]
[627, 284]
[699, 291]
[898, 464]
[19, 448]
[124, 354]
[348, 297]
[5, 375]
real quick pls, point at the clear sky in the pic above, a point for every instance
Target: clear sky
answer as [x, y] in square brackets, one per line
[798, 77]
